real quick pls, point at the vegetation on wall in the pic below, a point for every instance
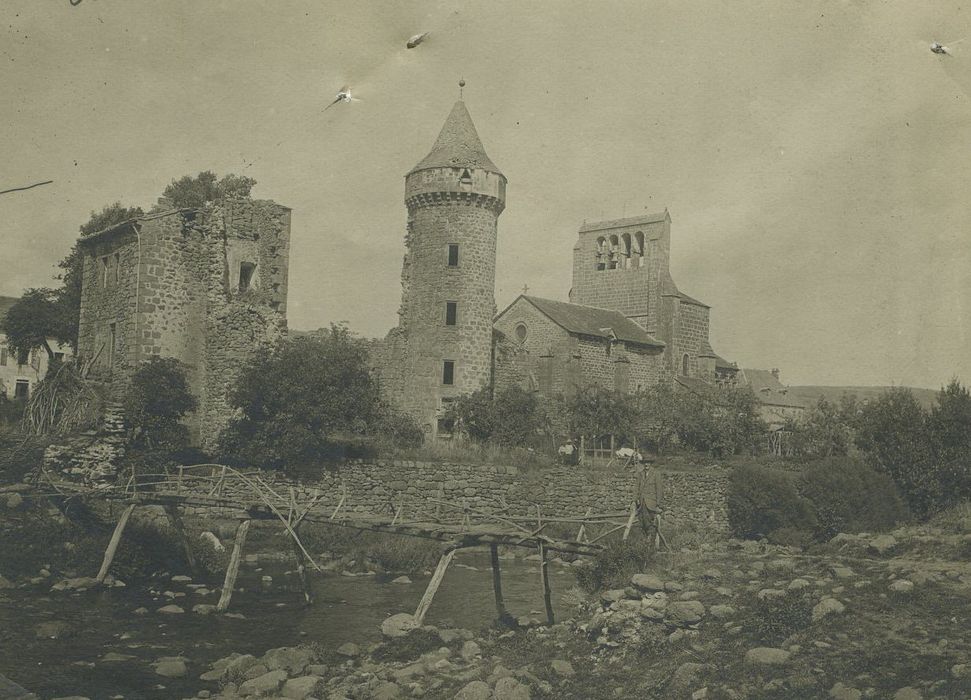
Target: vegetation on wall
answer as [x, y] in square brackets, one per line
[155, 403]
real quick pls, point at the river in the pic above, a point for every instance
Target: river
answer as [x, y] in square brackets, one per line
[347, 609]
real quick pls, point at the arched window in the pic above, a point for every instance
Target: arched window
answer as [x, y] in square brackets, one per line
[684, 365]
[639, 248]
[626, 249]
[614, 255]
[601, 253]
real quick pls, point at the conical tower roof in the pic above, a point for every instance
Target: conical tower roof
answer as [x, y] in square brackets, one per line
[458, 145]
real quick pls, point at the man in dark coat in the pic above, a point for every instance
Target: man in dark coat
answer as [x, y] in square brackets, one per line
[649, 494]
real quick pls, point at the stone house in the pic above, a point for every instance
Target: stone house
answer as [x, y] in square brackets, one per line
[555, 347]
[776, 403]
[206, 286]
[20, 372]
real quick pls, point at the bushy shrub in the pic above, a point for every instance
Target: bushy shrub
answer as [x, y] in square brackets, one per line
[156, 401]
[512, 418]
[401, 430]
[766, 503]
[614, 566]
[775, 618]
[848, 496]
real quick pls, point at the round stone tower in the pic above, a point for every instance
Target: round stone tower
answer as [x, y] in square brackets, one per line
[444, 345]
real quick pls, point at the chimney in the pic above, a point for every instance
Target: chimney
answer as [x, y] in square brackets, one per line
[775, 373]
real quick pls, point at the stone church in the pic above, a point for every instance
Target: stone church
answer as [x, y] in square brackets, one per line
[626, 324]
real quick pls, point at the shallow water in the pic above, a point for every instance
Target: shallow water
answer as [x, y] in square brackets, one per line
[347, 609]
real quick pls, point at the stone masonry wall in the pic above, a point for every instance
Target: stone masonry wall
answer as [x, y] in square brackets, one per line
[692, 498]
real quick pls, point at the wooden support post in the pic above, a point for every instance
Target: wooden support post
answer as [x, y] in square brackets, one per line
[544, 575]
[233, 570]
[426, 600]
[497, 582]
[582, 534]
[113, 543]
[173, 513]
[308, 595]
[630, 520]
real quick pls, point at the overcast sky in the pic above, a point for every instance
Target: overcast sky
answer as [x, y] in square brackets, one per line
[814, 156]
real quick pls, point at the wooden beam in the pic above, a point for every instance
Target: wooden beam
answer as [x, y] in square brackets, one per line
[173, 514]
[308, 595]
[497, 583]
[232, 570]
[113, 543]
[544, 575]
[630, 520]
[426, 600]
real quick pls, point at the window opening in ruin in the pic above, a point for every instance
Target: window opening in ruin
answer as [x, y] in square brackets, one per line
[21, 389]
[684, 365]
[112, 338]
[117, 267]
[453, 254]
[451, 312]
[3, 357]
[104, 271]
[448, 372]
[23, 356]
[246, 270]
[59, 356]
[446, 422]
[521, 332]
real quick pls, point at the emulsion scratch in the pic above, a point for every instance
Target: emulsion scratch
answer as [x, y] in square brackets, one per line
[27, 187]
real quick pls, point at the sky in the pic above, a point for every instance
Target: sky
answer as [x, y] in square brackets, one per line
[813, 155]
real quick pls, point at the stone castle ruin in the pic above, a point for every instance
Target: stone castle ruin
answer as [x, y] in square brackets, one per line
[206, 286]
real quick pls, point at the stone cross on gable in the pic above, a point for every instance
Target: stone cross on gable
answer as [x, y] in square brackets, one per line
[525, 288]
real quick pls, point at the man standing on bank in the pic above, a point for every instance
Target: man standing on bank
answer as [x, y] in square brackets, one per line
[649, 493]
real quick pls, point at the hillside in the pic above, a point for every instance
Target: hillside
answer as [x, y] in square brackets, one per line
[811, 394]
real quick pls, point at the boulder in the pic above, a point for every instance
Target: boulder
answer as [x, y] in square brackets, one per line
[203, 609]
[349, 649]
[767, 656]
[798, 584]
[613, 595]
[399, 625]
[647, 582]
[720, 612]
[827, 606]
[684, 677]
[882, 544]
[269, 682]
[902, 586]
[476, 690]
[684, 612]
[171, 668]
[387, 691]
[401, 579]
[471, 650]
[908, 693]
[844, 692]
[300, 688]
[6, 583]
[170, 610]
[768, 593]
[961, 670]
[14, 501]
[291, 659]
[562, 668]
[510, 689]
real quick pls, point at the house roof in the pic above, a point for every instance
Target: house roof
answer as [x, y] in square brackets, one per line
[691, 300]
[623, 223]
[6, 303]
[590, 320]
[769, 389]
[458, 145]
[722, 363]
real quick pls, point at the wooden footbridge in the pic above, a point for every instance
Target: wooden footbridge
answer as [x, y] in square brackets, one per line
[251, 495]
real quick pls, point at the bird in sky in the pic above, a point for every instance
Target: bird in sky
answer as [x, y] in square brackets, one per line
[416, 39]
[343, 95]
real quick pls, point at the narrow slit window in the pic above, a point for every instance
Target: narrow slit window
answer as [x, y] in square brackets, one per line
[104, 271]
[246, 271]
[448, 372]
[112, 339]
[453, 254]
[451, 312]
[117, 263]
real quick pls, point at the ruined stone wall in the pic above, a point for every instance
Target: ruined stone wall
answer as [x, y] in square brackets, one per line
[105, 302]
[698, 498]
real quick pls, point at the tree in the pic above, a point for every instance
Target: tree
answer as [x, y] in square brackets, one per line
[34, 318]
[595, 412]
[892, 433]
[656, 416]
[192, 192]
[822, 431]
[301, 403]
[110, 215]
[156, 401]
[949, 428]
[511, 418]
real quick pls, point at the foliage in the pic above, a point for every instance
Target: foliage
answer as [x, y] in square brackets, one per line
[774, 618]
[109, 216]
[157, 399]
[401, 430]
[299, 404]
[512, 418]
[34, 318]
[848, 496]
[595, 411]
[892, 432]
[62, 402]
[656, 418]
[614, 566]
[949, 429]
[192, 192]
[765, 503]
[722, 423]
[825, 430]
[19, 457]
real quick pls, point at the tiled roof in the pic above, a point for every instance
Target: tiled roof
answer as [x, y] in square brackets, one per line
[590, 320]
[458, 145]
[622, 223]
[769, 389]
[6, 303]
[722, 363]
[691, 300]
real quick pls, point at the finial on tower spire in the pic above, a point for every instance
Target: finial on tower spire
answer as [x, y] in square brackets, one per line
[461, 86]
